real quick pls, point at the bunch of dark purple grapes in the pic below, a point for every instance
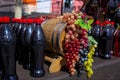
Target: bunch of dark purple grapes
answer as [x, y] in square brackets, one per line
[83, 57]
[83, 52]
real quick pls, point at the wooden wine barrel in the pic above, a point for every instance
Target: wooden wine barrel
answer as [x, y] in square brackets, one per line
[54, 30]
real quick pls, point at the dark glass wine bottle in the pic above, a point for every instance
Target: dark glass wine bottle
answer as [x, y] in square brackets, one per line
[106, 41]
[7, 51]
[37, 50]
[27, 52]
[21, 41]
[18, 29]
[96, 34]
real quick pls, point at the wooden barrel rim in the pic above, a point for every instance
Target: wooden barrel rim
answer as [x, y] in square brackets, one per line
[52, 39]
[58, 36]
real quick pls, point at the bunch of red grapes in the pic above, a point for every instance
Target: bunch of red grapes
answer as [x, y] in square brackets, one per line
[72, 43]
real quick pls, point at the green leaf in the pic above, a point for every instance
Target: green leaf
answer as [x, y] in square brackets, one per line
[84, 25]
[92, 40]
[90, 21]
[77, 22]
[88, 27]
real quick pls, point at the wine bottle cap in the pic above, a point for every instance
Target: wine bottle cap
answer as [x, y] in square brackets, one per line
[0, 19]
[34, 20]
[13, 19]
[107, 22]
[29, 20]
[24, 20]
[38, 21]
[6, 19]
[112, 23]
[19, 20]
[97, 22]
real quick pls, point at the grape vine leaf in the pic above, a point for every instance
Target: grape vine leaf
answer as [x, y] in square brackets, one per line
[89, 22]
[83, 24]
[92, 40]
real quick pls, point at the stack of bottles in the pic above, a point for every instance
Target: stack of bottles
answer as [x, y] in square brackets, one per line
[22, 40]
[104, 35]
